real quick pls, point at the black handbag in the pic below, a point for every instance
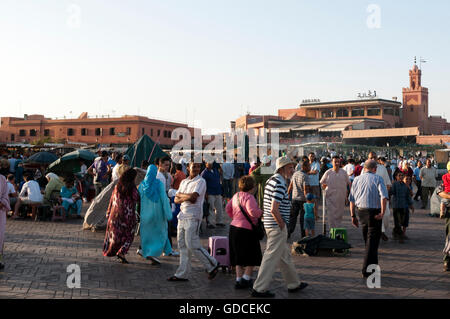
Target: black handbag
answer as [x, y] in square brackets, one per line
[258, 229]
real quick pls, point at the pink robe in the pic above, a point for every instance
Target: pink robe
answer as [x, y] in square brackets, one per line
[4, 199]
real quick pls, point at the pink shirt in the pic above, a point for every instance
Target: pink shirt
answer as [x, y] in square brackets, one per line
[249, 204]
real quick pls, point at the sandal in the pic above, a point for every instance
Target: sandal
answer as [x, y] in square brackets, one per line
[174, 278]
[212, 274]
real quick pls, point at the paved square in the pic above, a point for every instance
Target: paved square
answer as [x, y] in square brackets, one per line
[37, 255]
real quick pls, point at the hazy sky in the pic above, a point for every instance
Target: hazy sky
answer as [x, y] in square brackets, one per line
[211, 61]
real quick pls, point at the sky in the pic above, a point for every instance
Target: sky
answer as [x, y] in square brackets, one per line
[207, 62]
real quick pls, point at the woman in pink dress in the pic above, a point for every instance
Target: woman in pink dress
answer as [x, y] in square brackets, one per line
[245, 250]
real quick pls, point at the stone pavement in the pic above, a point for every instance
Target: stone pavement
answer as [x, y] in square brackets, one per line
[37, 255]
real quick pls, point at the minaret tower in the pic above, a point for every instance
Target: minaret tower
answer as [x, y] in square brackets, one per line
[415, 101]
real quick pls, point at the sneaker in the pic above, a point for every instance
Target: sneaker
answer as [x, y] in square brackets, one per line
[302, 286]
[265, 294]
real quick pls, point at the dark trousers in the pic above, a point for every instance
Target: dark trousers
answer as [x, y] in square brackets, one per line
[228, 188]
[399, 220]
[419, 190]
[296, 209]
[371, 229]
[426, 193]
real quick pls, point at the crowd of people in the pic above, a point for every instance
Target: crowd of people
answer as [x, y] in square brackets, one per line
[174, 198]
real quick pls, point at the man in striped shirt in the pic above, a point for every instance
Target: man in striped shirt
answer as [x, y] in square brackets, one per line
[368, 196]
[276, 220]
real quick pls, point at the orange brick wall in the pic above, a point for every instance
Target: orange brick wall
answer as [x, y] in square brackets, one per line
[433, 139]
[58, 129]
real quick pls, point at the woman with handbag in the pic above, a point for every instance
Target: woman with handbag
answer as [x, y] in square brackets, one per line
[245, 232]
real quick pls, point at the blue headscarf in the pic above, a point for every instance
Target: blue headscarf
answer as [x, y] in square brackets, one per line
[150, 185]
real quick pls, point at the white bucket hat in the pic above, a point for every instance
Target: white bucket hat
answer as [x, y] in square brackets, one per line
[282, 162]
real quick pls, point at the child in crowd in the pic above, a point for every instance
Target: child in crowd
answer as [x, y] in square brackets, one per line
[401, 198]
[445, 203]
[408, 209]
[310, 215]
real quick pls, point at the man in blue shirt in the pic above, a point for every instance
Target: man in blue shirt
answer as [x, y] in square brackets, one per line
[228, 174]
[368, 197]
[314, 177]
[418, 180]
[213, 195]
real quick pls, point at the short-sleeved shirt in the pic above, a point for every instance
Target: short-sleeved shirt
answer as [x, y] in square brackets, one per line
[299, 181]
[101, 170]
[417, 173]
[314, 179]
[212, 178]
[350, 169]
[276, 190]
[189, 186]
[367, 191]
[309, 210]
[428, 176]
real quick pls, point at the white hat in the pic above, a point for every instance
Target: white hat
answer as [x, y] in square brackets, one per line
[282, 162]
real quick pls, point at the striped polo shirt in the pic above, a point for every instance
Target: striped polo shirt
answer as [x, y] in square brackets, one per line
[276, 189]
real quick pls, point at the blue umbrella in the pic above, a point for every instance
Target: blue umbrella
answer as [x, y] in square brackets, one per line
[41, 158]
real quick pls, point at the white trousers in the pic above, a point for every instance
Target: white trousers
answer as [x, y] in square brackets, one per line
[188, 244]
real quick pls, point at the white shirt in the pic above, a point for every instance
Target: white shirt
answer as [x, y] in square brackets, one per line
[350, 169]
[32, 192]
[115, 173]
[11, 189]
[166, 181]
[189, 186]
[83, 170]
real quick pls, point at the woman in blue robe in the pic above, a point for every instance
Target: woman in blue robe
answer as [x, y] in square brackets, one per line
[71, 200]
[155, 213]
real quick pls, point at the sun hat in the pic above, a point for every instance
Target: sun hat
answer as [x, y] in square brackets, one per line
[282, 162]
